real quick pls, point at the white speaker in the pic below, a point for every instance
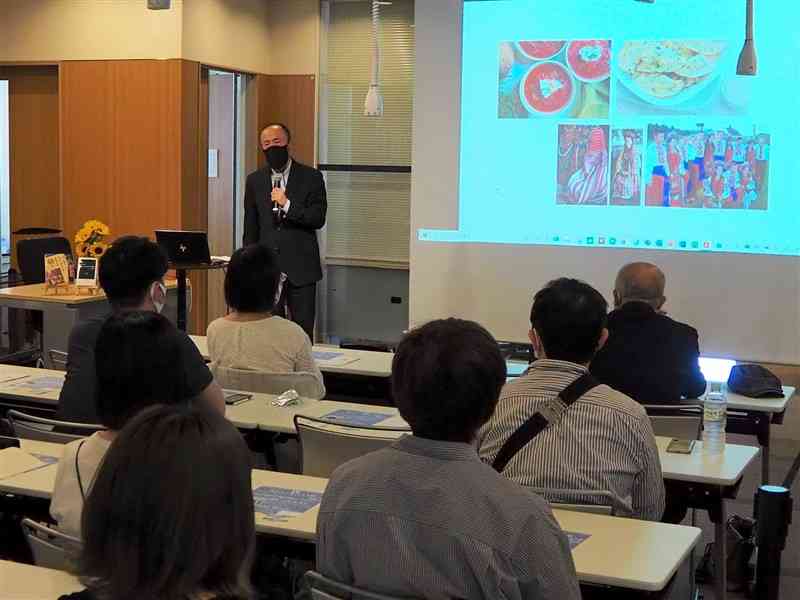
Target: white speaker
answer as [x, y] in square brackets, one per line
[158, 4]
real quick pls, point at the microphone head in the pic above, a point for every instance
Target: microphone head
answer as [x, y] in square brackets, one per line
[276, 180]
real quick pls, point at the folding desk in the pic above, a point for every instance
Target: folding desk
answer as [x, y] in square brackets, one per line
[647, 560]
[25, 582]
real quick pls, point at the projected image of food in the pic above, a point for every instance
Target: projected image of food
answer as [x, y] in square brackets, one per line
[677, 76]
[554, 79]
[707, 168]
[626, 167]
[582, 164]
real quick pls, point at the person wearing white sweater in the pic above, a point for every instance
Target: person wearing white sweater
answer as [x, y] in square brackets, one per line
[251, 337]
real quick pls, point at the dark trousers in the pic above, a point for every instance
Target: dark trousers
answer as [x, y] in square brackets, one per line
[299, 304]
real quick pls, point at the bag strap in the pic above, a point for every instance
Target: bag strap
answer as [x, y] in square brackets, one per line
[78, 470]
[538, 422]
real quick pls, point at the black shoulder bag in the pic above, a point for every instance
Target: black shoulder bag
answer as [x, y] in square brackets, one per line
[539, 422]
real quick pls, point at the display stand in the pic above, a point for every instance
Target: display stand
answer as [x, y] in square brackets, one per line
[181, 270]
[64, 288]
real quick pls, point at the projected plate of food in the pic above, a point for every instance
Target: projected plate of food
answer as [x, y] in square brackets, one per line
[548, 89]
[669, 72]
[539, 50]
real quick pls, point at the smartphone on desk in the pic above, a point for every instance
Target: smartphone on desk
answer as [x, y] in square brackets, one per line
[679, 446]
[235, 397]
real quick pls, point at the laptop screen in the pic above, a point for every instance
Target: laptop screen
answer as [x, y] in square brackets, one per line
[716, 369]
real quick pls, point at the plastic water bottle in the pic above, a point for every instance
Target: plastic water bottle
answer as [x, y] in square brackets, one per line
[715, 418]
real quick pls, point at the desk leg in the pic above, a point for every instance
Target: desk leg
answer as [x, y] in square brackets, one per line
[57, 323]
[765, 439]
[720, 551]
[181, 273]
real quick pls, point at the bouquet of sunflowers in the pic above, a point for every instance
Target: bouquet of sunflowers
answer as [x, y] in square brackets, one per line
[89, 239]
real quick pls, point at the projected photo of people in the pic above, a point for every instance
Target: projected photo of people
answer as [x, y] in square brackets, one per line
[679, 77]
[544, 79]
[626, 167]
[583, 173]
[707, 168]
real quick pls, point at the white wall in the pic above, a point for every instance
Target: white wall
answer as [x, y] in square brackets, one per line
[743, 305]
[227, 33]
[51, 30]
[294, 36]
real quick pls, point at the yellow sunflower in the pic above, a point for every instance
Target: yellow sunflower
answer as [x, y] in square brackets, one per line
[97, 250]
[82, 236]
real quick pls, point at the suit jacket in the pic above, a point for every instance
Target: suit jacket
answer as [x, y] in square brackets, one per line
[649, 357]
[294, 239]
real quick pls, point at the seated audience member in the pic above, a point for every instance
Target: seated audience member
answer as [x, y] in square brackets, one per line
[648, 356]
[425, 518]
[131, 274]
[138, 361]
[251, 336]
[156, 525]
[601, 442]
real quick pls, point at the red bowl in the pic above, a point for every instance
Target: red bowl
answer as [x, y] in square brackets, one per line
[547, 89]
[539, 50]
[590, 60]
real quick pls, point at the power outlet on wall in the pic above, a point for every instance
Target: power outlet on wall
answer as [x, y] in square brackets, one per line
[396, 300]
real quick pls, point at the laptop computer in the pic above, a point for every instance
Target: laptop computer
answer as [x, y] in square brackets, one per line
[184, 247]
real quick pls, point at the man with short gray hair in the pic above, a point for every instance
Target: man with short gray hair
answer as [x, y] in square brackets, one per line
[648, 356]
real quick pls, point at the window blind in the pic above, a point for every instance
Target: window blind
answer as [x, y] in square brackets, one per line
[368, 211]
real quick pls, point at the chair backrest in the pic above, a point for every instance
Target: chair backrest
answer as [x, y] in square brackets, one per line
[50, 548]
[599, 502]
[595, 509]
[58, 360]
[324, 445]
[31, 252]
[265, 382]
[325, 588]
[44, 430]
[680, 421]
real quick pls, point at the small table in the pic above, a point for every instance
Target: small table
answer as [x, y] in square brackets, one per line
[758, 415]
[709, 481]
[181, 270]
[62, 311]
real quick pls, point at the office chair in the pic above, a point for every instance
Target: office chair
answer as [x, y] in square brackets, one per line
[50, 548]
[266, 382]
[58, 359]
[682, 421]
[44, 430]
[324, 445]
[31, 253]
[324, 588]
[599, 502]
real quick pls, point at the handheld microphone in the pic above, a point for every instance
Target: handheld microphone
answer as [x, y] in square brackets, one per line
[276, 184]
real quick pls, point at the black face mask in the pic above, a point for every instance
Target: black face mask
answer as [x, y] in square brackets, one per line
[277, 157]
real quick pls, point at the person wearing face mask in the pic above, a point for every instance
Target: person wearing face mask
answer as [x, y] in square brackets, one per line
[131, 274]
[285, 204]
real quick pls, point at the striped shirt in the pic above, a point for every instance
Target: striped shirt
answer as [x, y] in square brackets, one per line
[427, 519]
[603, 442]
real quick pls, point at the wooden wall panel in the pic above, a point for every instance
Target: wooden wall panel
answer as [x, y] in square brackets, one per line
[34, 161]
[121, 144]
[290, 99]
[194, 168]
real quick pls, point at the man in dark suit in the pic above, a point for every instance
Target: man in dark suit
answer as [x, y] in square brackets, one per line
[648, 356]
[284, 205]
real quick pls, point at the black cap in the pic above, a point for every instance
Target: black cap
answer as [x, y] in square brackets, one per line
[754, 381]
